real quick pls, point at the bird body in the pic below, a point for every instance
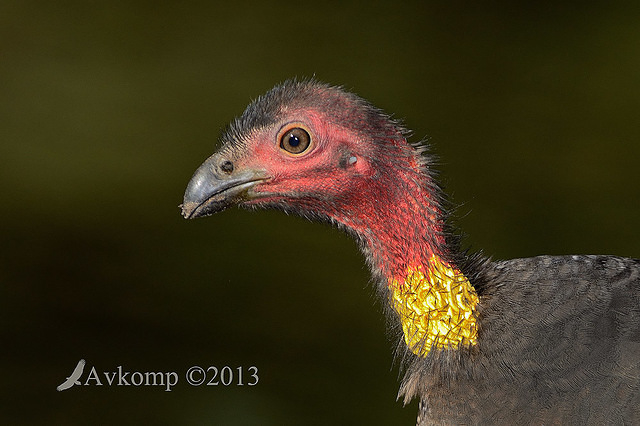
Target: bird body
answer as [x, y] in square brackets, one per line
[538, 340]
[558, 343]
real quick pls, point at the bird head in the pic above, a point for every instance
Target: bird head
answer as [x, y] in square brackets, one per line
[312, 149]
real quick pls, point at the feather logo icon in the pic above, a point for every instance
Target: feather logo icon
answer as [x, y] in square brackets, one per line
[73, 378]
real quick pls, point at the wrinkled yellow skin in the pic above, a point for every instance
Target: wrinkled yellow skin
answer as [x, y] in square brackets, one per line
[436, 307]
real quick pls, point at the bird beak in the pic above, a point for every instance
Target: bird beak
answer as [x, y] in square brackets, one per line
[211, 190]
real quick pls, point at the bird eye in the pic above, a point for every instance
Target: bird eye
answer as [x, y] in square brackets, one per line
[295, 141]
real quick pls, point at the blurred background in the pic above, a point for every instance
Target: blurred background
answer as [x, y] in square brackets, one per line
[108, 108]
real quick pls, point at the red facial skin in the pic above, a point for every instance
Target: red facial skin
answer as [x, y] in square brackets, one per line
[385, 203]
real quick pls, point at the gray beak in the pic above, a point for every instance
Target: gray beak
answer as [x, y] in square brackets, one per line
[216, 185]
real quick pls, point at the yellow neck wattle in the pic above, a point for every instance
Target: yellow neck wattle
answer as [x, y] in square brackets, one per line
[436, 307]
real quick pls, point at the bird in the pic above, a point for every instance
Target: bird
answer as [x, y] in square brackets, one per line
[539, 340]
[74, 378]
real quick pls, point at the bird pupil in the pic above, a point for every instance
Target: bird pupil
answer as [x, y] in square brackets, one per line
[294, 141]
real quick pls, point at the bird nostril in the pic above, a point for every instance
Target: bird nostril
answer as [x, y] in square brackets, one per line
[226, 166]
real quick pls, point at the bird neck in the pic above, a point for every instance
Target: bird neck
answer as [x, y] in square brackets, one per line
[435, 303]
[404, 243]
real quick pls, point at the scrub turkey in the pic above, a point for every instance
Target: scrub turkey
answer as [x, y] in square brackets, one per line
[542, 340]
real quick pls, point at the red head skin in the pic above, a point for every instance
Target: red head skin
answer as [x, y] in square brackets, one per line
[359, 173]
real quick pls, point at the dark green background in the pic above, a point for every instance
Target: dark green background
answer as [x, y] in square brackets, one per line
[107, 108]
